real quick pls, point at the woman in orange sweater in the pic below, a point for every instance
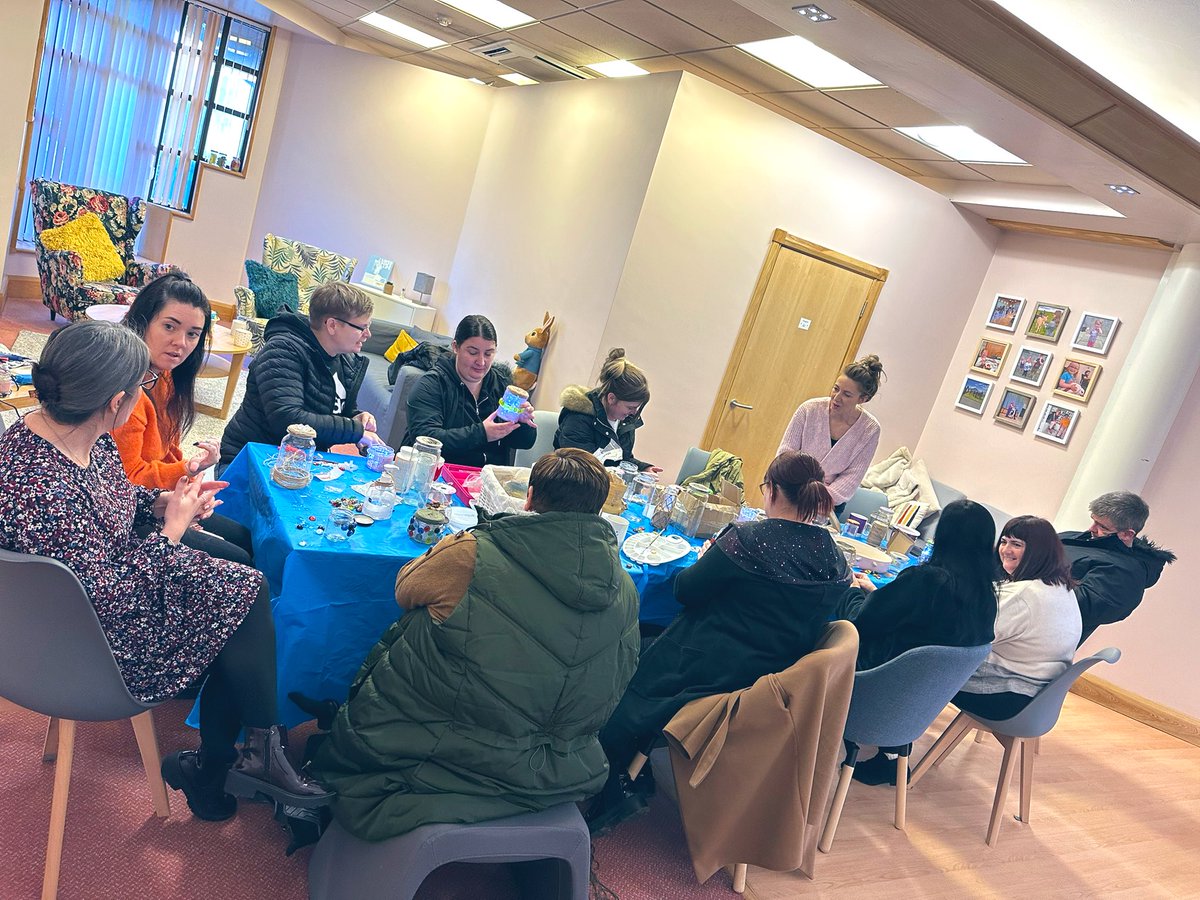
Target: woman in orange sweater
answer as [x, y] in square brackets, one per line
[173, 317]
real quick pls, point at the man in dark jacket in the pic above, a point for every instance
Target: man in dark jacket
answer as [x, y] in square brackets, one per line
[485, 698]
[1112, 564]
[309, 373]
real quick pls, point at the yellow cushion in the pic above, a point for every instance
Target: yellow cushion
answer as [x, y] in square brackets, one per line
[88, 237]
[402, 344]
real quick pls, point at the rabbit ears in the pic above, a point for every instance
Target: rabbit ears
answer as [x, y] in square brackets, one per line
[547, 321]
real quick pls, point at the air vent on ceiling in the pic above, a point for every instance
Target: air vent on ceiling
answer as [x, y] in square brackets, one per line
[534, 63]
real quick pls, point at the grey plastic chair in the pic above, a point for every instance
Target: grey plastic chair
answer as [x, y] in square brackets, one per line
[547, 424]
[55, 660]
[554, 842]
[693, 463]
[1021, 731]
[892, 706]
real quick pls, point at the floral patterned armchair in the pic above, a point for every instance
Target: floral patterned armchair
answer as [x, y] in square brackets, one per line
[61, 271]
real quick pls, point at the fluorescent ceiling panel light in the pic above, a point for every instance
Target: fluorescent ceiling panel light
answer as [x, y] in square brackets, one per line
[961, 143]
[813, 13]
[492, 11]
[1123, 189]
[617, 68]
[517, 78]
[402, 31]
[805, 60]
[477, 81]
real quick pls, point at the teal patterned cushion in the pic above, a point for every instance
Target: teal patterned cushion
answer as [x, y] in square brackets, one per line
[273, 290]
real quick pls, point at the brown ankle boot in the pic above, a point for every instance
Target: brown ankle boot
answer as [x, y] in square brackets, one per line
[263, 768]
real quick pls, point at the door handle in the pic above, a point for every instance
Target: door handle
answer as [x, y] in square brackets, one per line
[738, 405]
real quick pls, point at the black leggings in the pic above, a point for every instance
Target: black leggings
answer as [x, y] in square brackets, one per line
[222, 538]
[240, 689]
[996, 707]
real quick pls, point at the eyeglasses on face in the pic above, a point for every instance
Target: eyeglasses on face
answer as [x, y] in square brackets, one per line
[1103, 529]
[364, 330]
[149, 383]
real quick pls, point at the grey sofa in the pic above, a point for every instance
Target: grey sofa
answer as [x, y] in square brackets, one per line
[866, 501]
[389, 403]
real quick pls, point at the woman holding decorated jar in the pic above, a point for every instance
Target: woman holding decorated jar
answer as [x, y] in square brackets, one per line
[171, 614]
[172, 315]
[837, 431]
[457, 402]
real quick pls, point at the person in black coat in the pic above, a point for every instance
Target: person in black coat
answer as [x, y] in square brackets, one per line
[753, 604]
[1112, 564]
[455, 402]
[308, 372]
[604, 420]
[950, 601]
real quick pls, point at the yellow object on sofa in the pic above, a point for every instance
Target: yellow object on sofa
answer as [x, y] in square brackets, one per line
[402, 344]
[88, 237]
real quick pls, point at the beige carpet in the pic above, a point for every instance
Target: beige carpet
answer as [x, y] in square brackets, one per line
[208, 390]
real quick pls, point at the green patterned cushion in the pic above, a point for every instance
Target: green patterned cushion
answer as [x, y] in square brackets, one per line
[311, 265]
[245, 302]
[272, 290]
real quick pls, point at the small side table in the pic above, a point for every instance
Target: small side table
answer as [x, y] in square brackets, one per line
[397, 309]
[107, 312]
[215, 367]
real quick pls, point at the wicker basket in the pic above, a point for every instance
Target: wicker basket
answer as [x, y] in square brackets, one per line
[492, 495]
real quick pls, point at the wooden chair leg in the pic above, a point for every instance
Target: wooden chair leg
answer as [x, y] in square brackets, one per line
[946, 742]
[979, 735]
[901, 791]
[58, 808]
[835, 811]
[147, 741]
[635, 766]
[1037, 746]
[50, 748]
[1006, 770]
[1027, 756]
[739, 878]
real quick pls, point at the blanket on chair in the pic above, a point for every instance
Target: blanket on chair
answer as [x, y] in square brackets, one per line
[902, 478]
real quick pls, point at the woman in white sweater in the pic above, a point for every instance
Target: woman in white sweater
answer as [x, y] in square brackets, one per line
[1037, 622]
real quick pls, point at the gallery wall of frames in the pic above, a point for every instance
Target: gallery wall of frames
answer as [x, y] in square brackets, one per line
[1055, 349]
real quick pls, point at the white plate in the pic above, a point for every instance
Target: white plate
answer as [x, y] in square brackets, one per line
[667, 548]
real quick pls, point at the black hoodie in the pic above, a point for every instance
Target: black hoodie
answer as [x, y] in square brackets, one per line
[1111, 576]
[291, 382]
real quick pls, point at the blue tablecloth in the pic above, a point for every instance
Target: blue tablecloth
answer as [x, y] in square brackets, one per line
[656, 584]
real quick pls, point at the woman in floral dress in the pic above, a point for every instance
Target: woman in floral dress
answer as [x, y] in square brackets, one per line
[171, 614]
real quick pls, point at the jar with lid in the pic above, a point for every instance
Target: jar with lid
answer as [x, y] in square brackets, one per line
[292, 468]
[381, 495]
[427, 453]
[881, 521]
[640, 489]
[627, 471]
[428, 525]
[689, 508]
[440, 496]
[662, 501]
[240, 332]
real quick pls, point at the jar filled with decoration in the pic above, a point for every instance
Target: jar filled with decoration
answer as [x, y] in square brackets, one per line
[292, 468]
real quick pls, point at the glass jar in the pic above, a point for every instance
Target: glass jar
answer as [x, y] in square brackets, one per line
[405, 461]
[627, 471]
[427, 453]
[378, 456]
[292, 468]
[881, 521]
[662, 501]
[641, 488]
[689, 508]
[380, 499]
[440, 496]
[428, 525]
[340, 524]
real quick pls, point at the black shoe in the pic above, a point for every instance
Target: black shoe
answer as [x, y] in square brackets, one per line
[606, 814]
[876, 770]
[202, 785]
[263, 771]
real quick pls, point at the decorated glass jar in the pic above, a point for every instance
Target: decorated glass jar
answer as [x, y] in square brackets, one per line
[427, 454]
[428, 525]
[380, 499]
[509, 409]
[293, 464]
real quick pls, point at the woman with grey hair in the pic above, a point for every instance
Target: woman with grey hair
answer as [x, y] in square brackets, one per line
[171, 614]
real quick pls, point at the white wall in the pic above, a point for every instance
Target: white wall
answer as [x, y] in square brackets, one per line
[371, 157]
[991, 462]
[18, 60]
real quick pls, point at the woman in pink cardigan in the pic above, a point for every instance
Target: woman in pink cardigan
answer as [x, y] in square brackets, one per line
[837, 431]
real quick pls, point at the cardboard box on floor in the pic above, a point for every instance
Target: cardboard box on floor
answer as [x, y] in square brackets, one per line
[720, 510]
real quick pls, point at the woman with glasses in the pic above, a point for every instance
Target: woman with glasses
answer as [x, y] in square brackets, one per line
[754, 603]
[308, 373]
[170, 613]
[172, 315]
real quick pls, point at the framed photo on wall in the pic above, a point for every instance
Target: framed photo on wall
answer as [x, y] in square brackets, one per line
[1031, 366]
[1076, 379]
[1014, 408]
[1056, 422]
[1046, 322]
[990, 356]
[1006, 312]
[973, 396]
[1095, 333]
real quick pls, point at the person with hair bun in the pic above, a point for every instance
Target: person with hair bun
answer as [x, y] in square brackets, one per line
[455, 402]
[837, 431]
[754, 603]
[171, 614]
[1038, 622]
[605, 419]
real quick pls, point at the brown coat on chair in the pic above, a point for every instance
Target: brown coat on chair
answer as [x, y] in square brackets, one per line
[754, 768]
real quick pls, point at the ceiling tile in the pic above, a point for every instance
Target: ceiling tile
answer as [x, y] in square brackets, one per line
[422, 14]
[339, 12]
[1017, 174]
[942, 169]
[481, 68]
[896, 167]
[436, 60]
[751, 75]
[652, 24]
[888, 106]
[382, 37]
[821, 109]
[676, 64]
[562, 46]
[761, 100]
[885, 142]
[598, 33]
[541, 9]
[839, 138]
[724, 19]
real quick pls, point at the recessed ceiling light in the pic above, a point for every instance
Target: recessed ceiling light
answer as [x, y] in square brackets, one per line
[961, 143]
[813, 13]
[805, 60]
[477, 81]
[617, 68]
[492, 11]
[1122, 189]
[517, 78]
[402, 31]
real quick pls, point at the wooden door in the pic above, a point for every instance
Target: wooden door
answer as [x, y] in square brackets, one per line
[803, 326]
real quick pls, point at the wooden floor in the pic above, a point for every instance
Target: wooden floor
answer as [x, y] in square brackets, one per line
[1116, 813]
[21, 314]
